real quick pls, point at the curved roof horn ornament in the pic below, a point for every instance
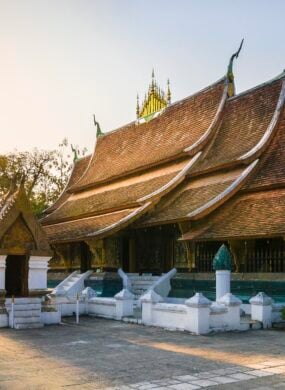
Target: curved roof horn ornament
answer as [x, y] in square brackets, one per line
[99, 132]
[230, 74]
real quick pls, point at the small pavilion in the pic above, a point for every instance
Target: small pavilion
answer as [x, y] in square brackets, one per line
[24, 249]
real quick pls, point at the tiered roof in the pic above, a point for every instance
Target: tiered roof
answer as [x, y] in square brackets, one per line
[196, 160]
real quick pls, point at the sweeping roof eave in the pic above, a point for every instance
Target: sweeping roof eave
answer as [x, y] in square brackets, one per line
[247, 216]
[93, 227]
[192, 202]
[249, 124]
[78, 169]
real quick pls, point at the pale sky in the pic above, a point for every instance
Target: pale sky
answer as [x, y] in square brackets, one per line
[63, 60]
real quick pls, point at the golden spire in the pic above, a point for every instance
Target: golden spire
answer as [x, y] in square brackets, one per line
[155, 100]
[168, 92]
[138, 106]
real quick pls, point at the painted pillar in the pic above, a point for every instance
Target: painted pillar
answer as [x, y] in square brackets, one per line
[2, 274]
[223, 283]
[38, 267]
[222, 264]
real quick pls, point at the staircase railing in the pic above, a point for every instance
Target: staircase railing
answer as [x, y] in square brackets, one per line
[162, 286]
[127, 284]
[58, 290]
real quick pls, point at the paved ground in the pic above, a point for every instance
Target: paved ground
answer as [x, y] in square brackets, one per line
[102, 354]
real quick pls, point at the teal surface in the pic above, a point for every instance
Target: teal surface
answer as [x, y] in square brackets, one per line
[185, 288]
[105, 288]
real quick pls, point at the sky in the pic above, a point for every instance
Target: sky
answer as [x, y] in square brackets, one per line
[62, 61]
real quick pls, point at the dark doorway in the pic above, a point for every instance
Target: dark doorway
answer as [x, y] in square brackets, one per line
[16, 276]
[126, 255]
[85, 257]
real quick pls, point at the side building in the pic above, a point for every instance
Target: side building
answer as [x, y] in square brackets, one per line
[167, 189]
[24, 248]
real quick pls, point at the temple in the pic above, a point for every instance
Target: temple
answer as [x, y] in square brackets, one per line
[169, 188]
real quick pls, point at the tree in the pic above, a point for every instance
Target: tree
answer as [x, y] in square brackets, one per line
[45, 173]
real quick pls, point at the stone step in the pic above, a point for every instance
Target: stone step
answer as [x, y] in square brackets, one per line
[24, 301]
[142, 283]
[27, 320]
[29, 326]
[27, 307]
[27, 313]
[144, 279]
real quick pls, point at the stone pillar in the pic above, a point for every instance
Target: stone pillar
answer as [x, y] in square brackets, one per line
[147, 300]
[233, 310]
[261, 309]
[223, 283]
[124, 304]
[2, 274]
[198, 314]
[38, 267]
[222, 264]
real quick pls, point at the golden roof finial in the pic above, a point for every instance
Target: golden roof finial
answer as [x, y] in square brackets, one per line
[168, 92]
[154, 101]
[138, 106]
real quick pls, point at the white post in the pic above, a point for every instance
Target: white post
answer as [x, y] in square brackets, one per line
[2, 273]
[198, 314]
[124, 304]
[223, 283]
[261, 309]
[12, 312]
[77, 308]
[38, 267]
[233, 310]
[148, 300]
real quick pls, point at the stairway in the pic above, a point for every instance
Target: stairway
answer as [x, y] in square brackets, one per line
[140, 284]
[72, 285]
[27, 313]
[247, 323]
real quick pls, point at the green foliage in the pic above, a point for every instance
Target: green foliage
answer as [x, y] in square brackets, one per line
[283, 313]
[45, 173]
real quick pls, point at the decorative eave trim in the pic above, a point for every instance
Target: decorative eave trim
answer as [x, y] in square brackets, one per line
[53, 207]
[76, 186]
[210, 206]
[209, 133]
[261, 145]
[122, 223]
[173, 182]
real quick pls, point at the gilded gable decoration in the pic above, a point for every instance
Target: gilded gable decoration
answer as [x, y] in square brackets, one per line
[154, 101]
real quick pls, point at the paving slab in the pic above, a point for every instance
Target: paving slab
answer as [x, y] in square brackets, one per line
[105, 354]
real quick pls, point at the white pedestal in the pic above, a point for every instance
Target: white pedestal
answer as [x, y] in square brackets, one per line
[261, 309]
[148, 300]
[198, 314]
[223, 283]
[124, 304]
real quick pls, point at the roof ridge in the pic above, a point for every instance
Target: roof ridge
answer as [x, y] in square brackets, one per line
[256, 87]
[123, 127]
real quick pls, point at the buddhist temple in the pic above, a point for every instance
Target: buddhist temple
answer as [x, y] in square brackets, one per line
[185, 177]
